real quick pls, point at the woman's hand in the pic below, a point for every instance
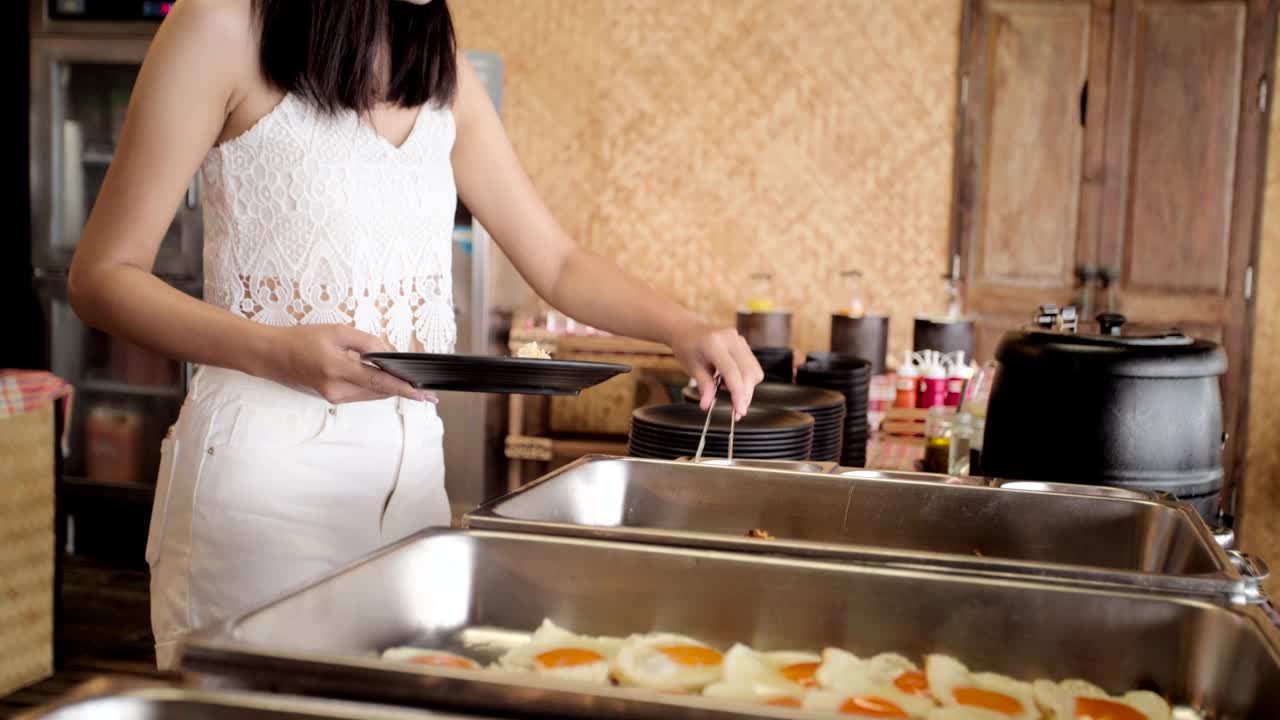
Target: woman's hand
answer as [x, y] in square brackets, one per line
[326, 360]
[704, 351]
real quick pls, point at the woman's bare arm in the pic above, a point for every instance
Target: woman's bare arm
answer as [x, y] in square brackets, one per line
[582, 284]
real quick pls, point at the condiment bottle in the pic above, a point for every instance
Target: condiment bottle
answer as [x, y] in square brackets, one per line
[761, 300]
[937, 439]
[855, 307]
[905, 387]
[961, 440]
[956, 378]
[931, 388]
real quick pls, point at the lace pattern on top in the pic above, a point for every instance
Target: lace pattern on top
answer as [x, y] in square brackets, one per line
[310, 218]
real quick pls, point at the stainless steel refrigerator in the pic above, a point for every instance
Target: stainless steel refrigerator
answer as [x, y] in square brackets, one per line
[85, 56]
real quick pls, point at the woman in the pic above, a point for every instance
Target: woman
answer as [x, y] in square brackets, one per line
[333, 138]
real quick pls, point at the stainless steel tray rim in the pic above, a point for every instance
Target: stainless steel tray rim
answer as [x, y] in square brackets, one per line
[1230, 583]
[204, 646]
[495, 679]
[108, 689]
[1205, 586]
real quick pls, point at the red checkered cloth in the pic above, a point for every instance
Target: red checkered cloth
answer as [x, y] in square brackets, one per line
[25, 390]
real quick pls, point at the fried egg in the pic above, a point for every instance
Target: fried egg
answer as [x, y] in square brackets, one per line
[845, 672]
[951, 683]
[1080, 700]
[774, 678]
[869, 702]
[556, 652]
[429, 658]
[665, 661]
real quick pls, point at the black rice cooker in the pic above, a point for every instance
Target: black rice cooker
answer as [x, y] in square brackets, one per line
[1142, 412]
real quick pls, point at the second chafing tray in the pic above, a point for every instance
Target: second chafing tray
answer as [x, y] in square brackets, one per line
[478, 593]
[899, 519]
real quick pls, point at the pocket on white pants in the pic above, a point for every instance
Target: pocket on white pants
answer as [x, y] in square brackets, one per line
[265, 427]
[160, 505]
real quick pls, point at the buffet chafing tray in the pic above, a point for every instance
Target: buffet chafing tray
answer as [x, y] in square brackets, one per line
[882, 517]
[809, 466]
[102, 699]
[478, 592]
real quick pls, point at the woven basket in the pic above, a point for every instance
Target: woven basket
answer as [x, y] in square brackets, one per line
[26, 547]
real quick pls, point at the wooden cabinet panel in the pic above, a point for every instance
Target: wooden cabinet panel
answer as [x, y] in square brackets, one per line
[1158, 190]
[1186, 142]
[1185, 120]
[1027, 224]
[1030, 155]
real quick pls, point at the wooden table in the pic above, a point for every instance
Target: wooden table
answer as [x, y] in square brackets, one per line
[545, 431]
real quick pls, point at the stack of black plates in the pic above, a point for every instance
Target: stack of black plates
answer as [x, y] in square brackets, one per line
[668, 432]
[776, 362]
[826, 407]
[851, 377]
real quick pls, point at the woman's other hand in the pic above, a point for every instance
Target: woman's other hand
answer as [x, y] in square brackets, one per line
[705, 351]
[326, 360]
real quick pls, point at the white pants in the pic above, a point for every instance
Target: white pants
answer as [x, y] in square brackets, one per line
[263, 488]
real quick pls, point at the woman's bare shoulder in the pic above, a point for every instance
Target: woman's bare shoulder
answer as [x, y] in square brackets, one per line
[212, 44]
[223, 20]
[224, 28]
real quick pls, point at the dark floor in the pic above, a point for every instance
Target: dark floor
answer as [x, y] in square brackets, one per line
[105, 629]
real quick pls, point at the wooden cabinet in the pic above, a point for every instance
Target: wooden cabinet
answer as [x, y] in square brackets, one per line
[1111, 155]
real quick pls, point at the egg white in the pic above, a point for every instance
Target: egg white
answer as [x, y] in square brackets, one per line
[946, 674]
[757, 676]
[1058, 700]
[845, 672]
[408, 653]
[549, 637]
[641, 663]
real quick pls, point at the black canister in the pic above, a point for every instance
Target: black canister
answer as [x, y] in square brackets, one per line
[946, 335]
[1141, 412]
[778, 363]
[866, 337]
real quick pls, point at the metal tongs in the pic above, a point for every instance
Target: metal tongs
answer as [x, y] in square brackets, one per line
[702, 441]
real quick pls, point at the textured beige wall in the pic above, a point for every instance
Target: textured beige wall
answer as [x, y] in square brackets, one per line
[1262, 483]
[698, 141]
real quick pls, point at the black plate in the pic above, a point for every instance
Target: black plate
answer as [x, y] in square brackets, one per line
[672, 435]
[685, 436]
[688, 416]
[719, 451]
[502, 375]
[667, 455]
[719, 448]
[802, 398]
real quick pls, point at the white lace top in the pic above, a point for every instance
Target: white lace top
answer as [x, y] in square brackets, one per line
[310, 218]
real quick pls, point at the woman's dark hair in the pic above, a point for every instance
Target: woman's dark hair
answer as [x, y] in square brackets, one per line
[327, 51]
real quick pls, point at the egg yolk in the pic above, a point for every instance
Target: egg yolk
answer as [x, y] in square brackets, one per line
[987, 700]
[801, 673]
[691, 655]
[567, 657]
[871, 707]
[446, 661]
[1088, 708]
[912, 682]
[785, 702]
